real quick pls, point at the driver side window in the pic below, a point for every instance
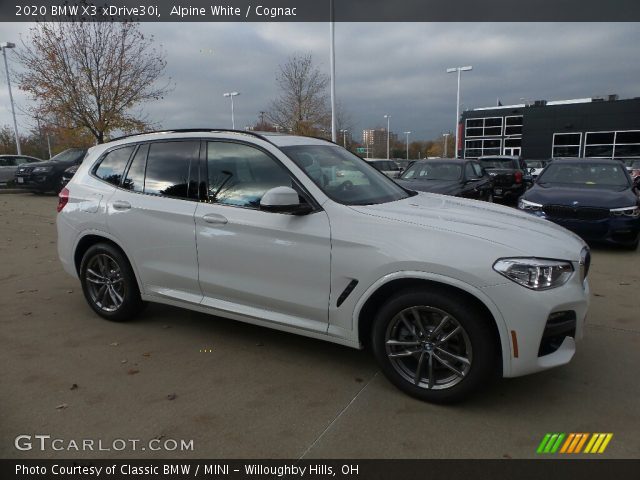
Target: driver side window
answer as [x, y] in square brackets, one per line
[239, 175]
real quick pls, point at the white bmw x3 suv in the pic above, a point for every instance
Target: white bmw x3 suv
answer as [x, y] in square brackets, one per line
[259, 228]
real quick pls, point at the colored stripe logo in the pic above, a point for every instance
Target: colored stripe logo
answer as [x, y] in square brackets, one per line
[574, 443]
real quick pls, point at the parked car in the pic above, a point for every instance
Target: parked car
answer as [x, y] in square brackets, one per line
[9, 164]
[241, 225]
[592, 197]
[510, 176]
[390, 168]
[46, 176]
[460, 178]
[535, 167]
[68, 174]
[633, 167]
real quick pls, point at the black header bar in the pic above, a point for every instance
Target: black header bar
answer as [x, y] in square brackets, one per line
[320, 10]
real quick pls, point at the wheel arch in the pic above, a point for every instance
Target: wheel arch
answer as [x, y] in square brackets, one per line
[89, 239]
[387, 286]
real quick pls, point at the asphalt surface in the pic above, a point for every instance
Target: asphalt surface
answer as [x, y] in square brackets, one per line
[240, 391]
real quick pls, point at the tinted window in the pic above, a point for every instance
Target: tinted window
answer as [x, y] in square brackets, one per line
[497, 163]
[240, 175]
[6, 162]
[72, 155]
[477, 169]
[433, 171]
[469, 172]
[344, 177]
[585, 174]
[168, 165]
[135, 175]
[112, 166]
[21, 160]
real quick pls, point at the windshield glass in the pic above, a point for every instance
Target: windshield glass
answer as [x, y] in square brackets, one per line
[433, 171]
[585, 174]
[497, 162]
[344, 177]
[535, 164]
[70, 155]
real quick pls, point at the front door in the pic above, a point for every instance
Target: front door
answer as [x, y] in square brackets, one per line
[258, 264]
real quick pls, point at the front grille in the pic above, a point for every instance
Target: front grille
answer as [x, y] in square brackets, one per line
[576, 213]
[559, 326]
[25, 170]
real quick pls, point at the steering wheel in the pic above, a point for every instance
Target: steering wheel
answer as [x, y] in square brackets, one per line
[346, 185]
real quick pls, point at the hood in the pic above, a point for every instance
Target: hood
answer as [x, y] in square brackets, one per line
[446, 187]
[47, 163]
[522, 233]
[586, 197]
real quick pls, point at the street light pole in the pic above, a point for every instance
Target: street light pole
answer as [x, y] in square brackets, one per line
[344, 137]
[407, 134]
[231, 95]
[332, 59]
[388, 117]
[4, 46]
[445, 135]
[459, 70]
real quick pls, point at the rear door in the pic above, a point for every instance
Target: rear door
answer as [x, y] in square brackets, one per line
[264, 265]
[7, 169]
[151, 214]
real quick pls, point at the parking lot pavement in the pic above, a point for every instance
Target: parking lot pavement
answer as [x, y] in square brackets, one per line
[264, 394]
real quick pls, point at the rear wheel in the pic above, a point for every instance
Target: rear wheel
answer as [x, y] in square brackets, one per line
[109, 284]
[434, 346]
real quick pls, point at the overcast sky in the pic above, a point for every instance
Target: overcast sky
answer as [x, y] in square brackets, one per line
[389, 68]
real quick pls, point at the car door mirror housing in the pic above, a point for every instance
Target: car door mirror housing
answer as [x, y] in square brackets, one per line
[284, 200]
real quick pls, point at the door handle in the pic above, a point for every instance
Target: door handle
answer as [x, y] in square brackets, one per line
[121, 205]
[215, 219]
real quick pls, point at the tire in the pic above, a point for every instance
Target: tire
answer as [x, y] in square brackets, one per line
[109, 284]
[490, 197]
[473, 341]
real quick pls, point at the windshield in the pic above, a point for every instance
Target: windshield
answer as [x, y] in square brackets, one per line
[433, 171]
[496, 162]
[343, 176]
[585, 175]
[535, 164]
[70, 155]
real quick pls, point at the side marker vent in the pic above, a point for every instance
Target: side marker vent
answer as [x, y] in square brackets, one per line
[345, 293]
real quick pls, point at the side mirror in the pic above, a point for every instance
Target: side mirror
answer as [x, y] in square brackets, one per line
[284, 200]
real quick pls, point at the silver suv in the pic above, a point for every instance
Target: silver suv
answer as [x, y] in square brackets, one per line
[273, 230]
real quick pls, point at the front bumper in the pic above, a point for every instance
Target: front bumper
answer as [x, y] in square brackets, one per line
[40, 182]
[526, 314]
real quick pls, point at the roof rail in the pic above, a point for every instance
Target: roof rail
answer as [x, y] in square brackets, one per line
[194, 130]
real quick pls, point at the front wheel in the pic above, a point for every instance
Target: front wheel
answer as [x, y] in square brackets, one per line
[109, 284]
[434, 345]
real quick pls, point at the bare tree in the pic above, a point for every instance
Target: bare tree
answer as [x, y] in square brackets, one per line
[92, 74]
[302, 106]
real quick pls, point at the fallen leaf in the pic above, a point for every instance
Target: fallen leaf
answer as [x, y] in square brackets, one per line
[146, 354]
[114, 344]
[624, 283]
[132, 371]
[74, 386]
[62, 406]
[171, 396]
[597, 295]
[26, 313]
[20, 291]
[124, 360]
[69, 291]
[33, 290]
[506, 455]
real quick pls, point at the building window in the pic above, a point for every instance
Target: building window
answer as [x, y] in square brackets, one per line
[620, 144]
[483, 127]
[513, 126]
[566, 145]
[480, 148]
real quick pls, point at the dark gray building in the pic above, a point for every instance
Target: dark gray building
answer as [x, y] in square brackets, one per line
[588, 127]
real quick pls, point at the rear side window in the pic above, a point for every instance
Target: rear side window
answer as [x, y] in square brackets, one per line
[168, 168]
[6, 162]
[112, 166]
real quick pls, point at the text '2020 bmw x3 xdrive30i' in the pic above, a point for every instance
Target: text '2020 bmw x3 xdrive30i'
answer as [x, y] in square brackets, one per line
[260, 228]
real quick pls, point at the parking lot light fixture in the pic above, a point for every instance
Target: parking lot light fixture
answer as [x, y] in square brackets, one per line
[231, 95]
[4, 46]
[388, 117]
[459, 70]
[407, 134]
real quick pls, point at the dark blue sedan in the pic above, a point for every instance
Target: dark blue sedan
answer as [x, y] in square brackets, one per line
[595, 198]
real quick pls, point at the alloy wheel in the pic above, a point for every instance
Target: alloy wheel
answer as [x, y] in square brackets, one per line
[105, 282]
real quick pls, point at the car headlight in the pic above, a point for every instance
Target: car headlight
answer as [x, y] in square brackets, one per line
[527, 205]
[633, 212]
[42, 169]
[535, 273]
